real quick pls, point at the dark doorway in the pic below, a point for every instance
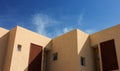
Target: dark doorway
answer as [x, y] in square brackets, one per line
[108, 55]
[35, 58]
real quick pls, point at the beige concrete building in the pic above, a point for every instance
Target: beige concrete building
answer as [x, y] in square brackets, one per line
[23, 50]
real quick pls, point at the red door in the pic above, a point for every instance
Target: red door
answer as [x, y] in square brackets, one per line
[108, 55]
[35, 58]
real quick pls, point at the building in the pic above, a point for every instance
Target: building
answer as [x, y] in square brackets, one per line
[23, 50]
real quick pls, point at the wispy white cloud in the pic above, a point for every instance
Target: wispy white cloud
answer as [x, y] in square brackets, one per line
[81, 24]
[90, 31]
[80, 19]
[63, 31]
[41, 22]
[67, 29]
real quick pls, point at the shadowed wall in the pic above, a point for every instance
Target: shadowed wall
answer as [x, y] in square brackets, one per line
[35, 58]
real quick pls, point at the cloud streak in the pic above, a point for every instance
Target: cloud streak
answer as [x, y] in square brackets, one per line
[64, 30]
[67, 29]
[80, 19]
[90, 31]
[41, 22]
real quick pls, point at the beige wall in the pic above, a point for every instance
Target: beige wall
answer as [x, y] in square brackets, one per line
[70, 47]
[108, 34]
[85, 50]
[25, 37]
[3, 32]
[9, 50]
[66, 46]
[3, 45]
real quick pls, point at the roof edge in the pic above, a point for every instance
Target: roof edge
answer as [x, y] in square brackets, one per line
[17, 26]
[4, 28]
[106, 29]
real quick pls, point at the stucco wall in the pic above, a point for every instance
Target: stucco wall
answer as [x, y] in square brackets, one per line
[108, 34]
[3, 31]
[85, 50]
[70, 47]
[9, 50]
[3, 45]
[24, 38]
[66, 47]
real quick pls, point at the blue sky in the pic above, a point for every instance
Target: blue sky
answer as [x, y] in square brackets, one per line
[55, 17]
